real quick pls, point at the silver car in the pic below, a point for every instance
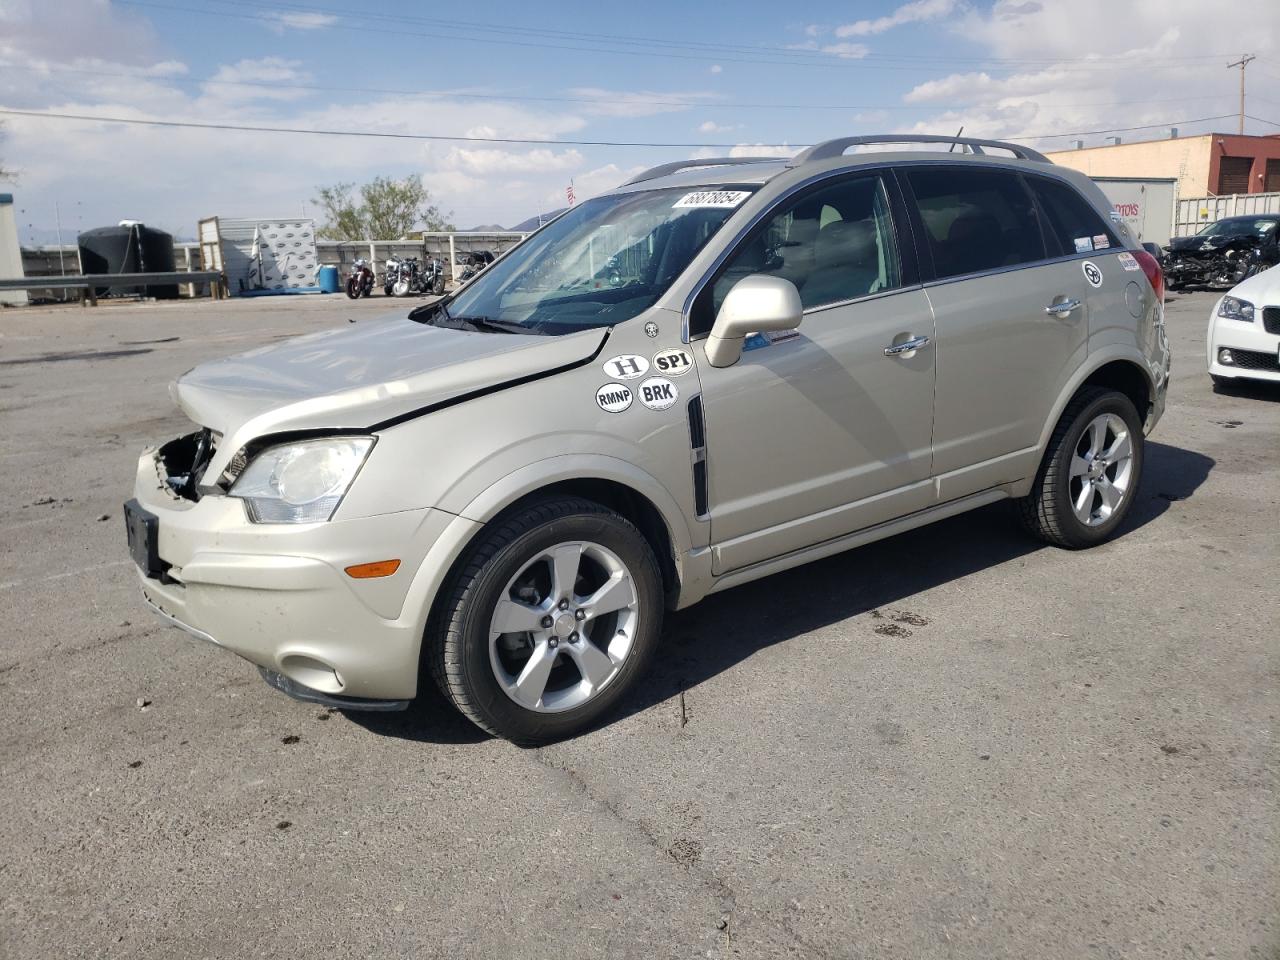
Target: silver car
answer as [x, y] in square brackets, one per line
[719, 370]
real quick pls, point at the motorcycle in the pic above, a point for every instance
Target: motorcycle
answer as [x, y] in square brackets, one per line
[472, 263]
[360, 283]
[407, 275]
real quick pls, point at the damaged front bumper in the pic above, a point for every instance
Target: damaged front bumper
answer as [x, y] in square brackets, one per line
[277, 594]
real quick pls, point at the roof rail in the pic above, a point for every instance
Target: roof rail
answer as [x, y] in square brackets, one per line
[836, 148]
[665, 169]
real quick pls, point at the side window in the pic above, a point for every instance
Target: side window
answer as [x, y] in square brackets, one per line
[975, 219]
[834, 243]
[1071, 218]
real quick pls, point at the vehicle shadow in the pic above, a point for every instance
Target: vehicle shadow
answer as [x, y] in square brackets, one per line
[724, 629]
[1266, 390]
[716, 634]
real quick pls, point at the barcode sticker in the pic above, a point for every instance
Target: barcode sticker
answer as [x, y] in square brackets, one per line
[712, 198]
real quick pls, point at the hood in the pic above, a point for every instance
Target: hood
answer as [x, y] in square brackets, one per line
[359, 376]
[1194, 244]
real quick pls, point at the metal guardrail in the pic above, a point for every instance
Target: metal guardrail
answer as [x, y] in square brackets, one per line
[89, 283]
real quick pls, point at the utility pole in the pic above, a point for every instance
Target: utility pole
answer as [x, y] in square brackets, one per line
[1242, 63]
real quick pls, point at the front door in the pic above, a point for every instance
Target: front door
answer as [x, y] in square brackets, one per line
[817, 433]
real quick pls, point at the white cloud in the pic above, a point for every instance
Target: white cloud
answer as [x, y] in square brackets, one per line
[1147, 67]
[254, 79]
[281, 20]
[916, 12]
[710, 126]
[849, 51]
[637, 103]
[483, 162]
[762, 150]
[844, 50]
[715, 68]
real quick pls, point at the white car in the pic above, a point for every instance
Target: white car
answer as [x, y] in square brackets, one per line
[1244, 331]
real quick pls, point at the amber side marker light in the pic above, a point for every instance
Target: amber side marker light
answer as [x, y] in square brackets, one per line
[379, 568]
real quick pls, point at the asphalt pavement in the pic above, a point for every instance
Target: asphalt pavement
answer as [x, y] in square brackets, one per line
[956, 743]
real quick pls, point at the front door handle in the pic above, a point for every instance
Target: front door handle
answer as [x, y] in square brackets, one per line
[1062, 308]
[915, 343]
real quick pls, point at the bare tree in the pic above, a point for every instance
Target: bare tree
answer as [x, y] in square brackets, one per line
[387, 210]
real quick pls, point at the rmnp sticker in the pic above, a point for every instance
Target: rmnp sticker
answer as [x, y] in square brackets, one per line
[614, 397]
[658, 393]
[712, 198]
[1092, 273]
[628, 366]
[672, 362]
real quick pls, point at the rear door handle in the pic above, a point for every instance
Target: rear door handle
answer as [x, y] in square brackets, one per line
[915, 343]
[1063, 307]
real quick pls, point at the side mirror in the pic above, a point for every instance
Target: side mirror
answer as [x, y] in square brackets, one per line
[755, 303]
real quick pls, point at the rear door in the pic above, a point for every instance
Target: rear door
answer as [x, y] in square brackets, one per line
[1001, 356]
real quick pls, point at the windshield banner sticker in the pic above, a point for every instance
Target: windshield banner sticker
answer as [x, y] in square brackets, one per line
[614, 397]
[1128, 261]
[658, 393]
[1092, 273]
[629, 366]
[724, 199]
[673, 362]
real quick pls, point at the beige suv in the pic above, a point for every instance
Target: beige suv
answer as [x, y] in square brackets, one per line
[719, 370]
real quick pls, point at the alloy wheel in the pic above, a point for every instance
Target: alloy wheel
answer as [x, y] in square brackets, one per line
[563, 626]
[1101, 470]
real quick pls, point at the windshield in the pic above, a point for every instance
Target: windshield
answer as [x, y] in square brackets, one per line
[1238, 225]
[599, 264]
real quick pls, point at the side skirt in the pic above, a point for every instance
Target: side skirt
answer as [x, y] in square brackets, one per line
[829, 548]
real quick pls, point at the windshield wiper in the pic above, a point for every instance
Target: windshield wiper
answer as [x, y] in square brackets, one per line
[496, 326]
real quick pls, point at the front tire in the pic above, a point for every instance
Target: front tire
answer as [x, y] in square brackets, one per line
[353, 288]
[1090, 474]
[552, 617]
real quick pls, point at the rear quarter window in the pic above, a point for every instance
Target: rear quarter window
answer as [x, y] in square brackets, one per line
[1070, 219]
[975, 219]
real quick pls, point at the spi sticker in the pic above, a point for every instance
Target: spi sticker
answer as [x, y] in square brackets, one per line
[658, 393]
[1092, 273]
[628, 366]
[673, 362]
[1128, 261]
[614, 397]
[724, 199]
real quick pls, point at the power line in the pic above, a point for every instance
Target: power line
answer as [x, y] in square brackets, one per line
[660, 41]
[382, 134]
[591, 101]
[776, 56]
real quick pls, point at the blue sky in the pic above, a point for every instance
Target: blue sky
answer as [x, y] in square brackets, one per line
[604, 72]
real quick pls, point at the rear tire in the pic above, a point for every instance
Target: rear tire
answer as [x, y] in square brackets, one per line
[514, 575]
[1090, 474]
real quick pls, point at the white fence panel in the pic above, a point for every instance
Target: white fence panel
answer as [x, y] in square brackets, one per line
[1196, 212]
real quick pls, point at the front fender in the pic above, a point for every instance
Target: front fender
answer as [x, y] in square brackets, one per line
[536, 476]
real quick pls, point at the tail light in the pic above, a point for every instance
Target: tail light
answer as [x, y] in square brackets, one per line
[1151, 267]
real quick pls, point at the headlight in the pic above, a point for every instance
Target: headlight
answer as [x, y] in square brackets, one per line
[300, 482]
[1234, 309]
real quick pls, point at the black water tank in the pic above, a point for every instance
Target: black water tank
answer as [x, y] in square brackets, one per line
[129, 248]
